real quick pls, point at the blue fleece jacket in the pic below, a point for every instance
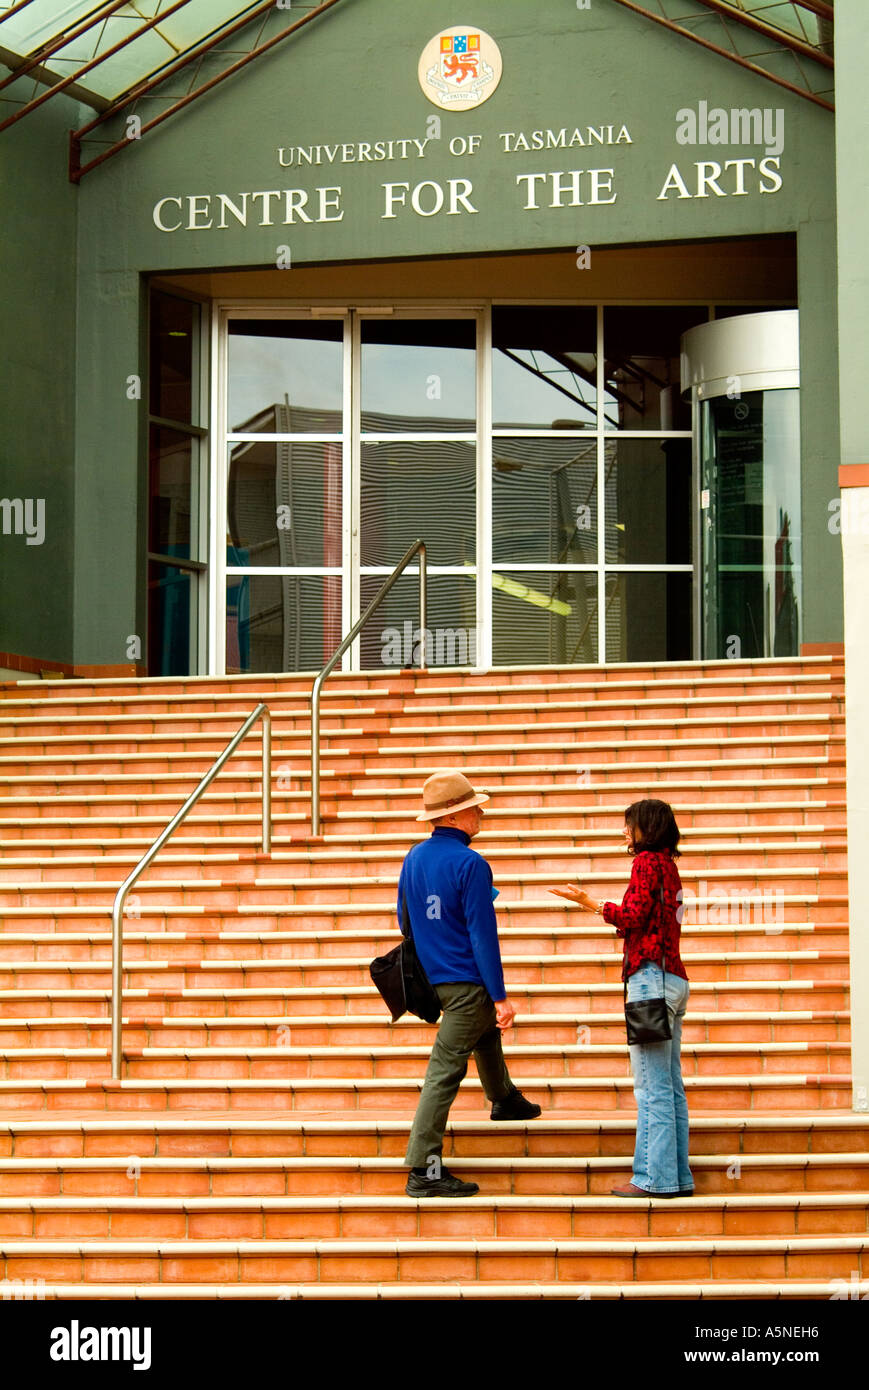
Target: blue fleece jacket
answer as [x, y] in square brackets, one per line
[449, 894]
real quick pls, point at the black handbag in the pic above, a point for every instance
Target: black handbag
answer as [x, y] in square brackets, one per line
[648, 1020]
[401, 980]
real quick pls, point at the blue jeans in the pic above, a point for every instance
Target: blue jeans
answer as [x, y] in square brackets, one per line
[661, 1152]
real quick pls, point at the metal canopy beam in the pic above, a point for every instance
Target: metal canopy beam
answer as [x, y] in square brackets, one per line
[62, 39]
[819, 7]
[148, 84]
[770, 31]
[675, 28]
[68, 83]
[77, 170]
[22, 5]
[51, 79]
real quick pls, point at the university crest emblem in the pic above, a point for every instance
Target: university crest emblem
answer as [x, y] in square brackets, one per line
[460, 68]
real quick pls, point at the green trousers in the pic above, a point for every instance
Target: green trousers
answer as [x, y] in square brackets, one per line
[468, 1025]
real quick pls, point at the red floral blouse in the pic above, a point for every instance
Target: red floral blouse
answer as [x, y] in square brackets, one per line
[641, 919]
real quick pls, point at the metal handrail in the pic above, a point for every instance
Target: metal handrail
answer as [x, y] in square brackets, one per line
[418, 546]
[261, 712]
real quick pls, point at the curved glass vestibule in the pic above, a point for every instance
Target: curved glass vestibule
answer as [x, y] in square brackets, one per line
[743, 375]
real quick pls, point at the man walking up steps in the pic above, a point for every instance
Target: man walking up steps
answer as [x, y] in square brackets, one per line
[448, 890]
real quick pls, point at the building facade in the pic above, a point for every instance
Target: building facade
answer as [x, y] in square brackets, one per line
[558, 288]
[281, 335]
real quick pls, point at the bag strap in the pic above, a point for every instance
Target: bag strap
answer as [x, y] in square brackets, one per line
[663, 956]
[405, 919]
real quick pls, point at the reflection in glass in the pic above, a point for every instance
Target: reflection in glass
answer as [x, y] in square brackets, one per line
[391, 638]
[281, 622]
[170, 639]
[284, 503]
[641, 367]
[648, 501]
[544, 500]
[544, 364]
[170, 492]
[542, 617]
[285, 376]
[419, 375]
[173, 356]
[648, 617]
[751, 533]
[419, 489]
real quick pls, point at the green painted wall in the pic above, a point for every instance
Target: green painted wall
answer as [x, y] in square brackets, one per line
[852, 141]
[37, 381]
[819, 429]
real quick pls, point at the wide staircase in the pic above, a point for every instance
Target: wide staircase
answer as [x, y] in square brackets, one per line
[254, 1147]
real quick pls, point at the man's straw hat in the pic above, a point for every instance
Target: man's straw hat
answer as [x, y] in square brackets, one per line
[445, 792]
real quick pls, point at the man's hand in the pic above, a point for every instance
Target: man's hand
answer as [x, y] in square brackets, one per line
[505, 1013]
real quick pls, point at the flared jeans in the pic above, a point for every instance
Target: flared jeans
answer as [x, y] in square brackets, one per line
[661, 1150]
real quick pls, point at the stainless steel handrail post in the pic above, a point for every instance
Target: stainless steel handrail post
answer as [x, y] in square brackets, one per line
[262, 711]
[267, 778]
[418, 547]
[423, 608]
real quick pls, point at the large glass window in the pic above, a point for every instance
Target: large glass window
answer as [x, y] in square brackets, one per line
[177, 533]
[281, 622]
[349, 437]
[418, 375]
[641, 367]
[285, 376]
[544, 368]
[284, 503]
[541, 617]
[412, 489]
[392, 637]
[544, 500]
[648, 501]
[584, 497]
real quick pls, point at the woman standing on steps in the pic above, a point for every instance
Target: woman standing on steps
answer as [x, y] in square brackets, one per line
[649, 919]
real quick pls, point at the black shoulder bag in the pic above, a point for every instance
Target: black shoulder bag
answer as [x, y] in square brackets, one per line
[648, 1020]
[401, 980]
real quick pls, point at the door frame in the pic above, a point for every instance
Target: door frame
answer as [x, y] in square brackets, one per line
[352, 314]
[351, 444]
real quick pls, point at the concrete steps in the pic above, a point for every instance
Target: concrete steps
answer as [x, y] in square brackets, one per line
[254, 1146]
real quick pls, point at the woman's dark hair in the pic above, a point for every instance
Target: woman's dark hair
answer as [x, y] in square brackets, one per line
[653, 827]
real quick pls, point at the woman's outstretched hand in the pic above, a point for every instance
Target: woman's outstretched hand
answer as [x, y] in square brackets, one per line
[575, 894]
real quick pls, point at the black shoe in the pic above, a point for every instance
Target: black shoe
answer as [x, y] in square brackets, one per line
[447, 1185]
[515, 1107]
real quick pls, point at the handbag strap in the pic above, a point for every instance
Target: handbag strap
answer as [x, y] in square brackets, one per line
[661, 924]
[663, 956]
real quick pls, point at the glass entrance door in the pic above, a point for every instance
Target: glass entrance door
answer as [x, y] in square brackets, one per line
[416, 426]
[347, 435]
[282, 493]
